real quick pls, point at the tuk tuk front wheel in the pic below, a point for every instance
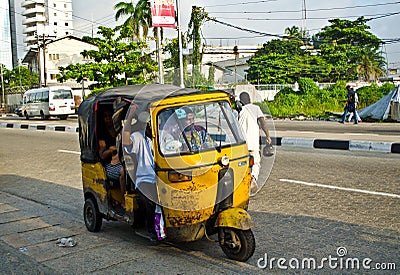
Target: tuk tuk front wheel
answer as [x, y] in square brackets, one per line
[238, 245]
[92, 215]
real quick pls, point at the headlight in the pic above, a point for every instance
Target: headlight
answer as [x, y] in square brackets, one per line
[225, 161]
[174, 176]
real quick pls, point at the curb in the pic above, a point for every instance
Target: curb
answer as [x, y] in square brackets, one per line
[8, 115]
[40, 127]
[350, 145]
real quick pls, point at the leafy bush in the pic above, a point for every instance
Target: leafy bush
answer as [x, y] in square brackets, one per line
[307, 86]
[312, 101]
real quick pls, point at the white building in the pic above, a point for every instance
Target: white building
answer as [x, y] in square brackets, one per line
[46, 18]
[60, 52]
[230, 63]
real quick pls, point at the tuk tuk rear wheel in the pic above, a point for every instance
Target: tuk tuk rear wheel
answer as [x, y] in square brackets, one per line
[92, 215]
[238, 245]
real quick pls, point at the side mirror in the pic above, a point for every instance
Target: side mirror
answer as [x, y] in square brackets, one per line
[239, 105]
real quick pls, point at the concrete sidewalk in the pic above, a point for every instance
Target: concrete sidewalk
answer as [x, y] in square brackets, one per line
[375, 137]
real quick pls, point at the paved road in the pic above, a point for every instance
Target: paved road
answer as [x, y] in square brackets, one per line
[354, 205]
[375, 137]
[320, 126]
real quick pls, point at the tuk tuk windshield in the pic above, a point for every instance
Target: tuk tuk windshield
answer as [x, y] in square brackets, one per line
[190, 128]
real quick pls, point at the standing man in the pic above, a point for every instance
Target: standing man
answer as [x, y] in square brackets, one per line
[251, 119]
[137, 144]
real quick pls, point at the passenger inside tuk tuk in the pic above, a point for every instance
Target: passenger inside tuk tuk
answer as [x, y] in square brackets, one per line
[108, 153]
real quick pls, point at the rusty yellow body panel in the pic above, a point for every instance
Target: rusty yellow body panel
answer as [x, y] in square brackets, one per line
[176, 218]
[193, 201]
[131, 203]
[94, 178]
[234, 218]
[201, 191]
[242, 191]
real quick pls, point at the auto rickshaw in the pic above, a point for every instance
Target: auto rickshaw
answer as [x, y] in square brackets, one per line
[202, 189]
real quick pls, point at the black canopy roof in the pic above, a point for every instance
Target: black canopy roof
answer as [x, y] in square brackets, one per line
[147, 92]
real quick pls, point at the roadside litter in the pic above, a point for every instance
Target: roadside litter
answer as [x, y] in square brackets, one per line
[66, 242]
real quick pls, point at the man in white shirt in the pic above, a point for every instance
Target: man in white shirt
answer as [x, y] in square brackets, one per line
[251, 119]
[139, 146]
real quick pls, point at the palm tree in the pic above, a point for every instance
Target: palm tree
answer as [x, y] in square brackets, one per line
[293, 32]
[139, 21]
[370, 65]
[139, 17]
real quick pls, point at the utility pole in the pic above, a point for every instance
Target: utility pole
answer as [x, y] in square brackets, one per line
[44, 61]
[182, 83]
[43, 37]
[19, 73]
[304, 34]
[3, 101]
[236, 53]
[38, 60]
[159, 53]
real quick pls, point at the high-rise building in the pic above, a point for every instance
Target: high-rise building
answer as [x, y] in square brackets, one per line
[52, 18]
[8, 43]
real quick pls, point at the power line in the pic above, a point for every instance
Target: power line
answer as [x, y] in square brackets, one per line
[243, 3]
[385, 15]
[244, 29]
[310, 10]
[372, 17]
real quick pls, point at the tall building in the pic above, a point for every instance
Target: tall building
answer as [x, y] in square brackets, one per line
[8, 43]
[46, 18]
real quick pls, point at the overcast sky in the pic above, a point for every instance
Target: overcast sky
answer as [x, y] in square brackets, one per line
[266, 16]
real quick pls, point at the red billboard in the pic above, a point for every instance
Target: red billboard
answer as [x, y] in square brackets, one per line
[163, 13]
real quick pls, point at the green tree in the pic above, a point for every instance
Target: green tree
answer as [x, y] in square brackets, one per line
[197, 18]
[370, 65]
[352, 49]
[112, 59]
[20, 77]
[294, 33]
[347, 32]
[172, 63]
[139, 18]
[346, 50]
[283, 61]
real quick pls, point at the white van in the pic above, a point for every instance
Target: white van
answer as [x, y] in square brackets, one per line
[50, 101]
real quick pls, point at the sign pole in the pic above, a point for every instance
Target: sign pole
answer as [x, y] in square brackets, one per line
[182, 83]
[159, 53]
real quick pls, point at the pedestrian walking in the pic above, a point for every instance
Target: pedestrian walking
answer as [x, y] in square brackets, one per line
[350, 105]
[251, 119]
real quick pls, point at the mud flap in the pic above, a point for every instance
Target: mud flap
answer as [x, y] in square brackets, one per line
[234, 218]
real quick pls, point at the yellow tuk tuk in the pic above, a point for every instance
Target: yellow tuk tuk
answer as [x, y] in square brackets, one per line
[202, 176]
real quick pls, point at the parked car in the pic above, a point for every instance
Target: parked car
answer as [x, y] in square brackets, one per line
[19, 111]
